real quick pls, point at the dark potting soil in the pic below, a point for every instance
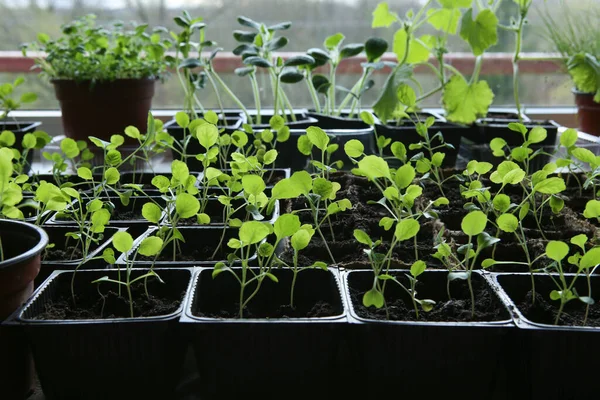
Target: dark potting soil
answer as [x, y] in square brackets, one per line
[544, 311]
[201, 253]
[458, 309]
[126, 215]
[301, 310]
[91, 305]
[66, 254]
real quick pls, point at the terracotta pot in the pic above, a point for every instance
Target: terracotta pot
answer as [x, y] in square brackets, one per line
[104, 108]
[588, 113]
[22, 244]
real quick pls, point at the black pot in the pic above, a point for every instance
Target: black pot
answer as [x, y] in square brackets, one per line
[413, 354]
[542, 344]
[290, 157]
[266, 356]
[20, 129]
[204, 237]
[22, 244]
[111, 358]
[407, 135]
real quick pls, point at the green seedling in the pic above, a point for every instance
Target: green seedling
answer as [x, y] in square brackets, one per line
[585, 263]
[316, 137]
[149, 246]
[320, 195]
[380, 263]
[256, 48]
[250, 241]
[473, 225]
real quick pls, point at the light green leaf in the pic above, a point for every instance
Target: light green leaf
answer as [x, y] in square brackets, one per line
[580, 240]
[122, 241]
[182, 119]
[186, 205]
[508, 223]
[465, 102]
[550, 186]
[537, 135]
[557, 250]
[151, 212]
[405, 175]
[374, 167]
[207, 135]
[286, 225]
[474, 223]
[112, 175]
[481, 33]
[407, 229]
[373, 298]
[444, 19]
[592, 209]
[253, 184]
[300, 239]
[317, 137]
[150, 246]
[252, 232]
[362, 237]
[418, 268]
[417, 52]
[84, 173]
[590, 259]
[354, 148]
[568, 138]
[382, 17]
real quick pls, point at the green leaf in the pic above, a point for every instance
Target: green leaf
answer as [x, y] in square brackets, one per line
[444, 19]
[317, 137]
[437, 159]
[557, 250]
[550, 186]
[286, 225]
[132, 132]
[537, 135]
[362, 237]
[555, 295]
[387, 102]
[375, 47]
[382, 17]
[465, 102]
[122, 241]
[207, 135]
[69, 147]
[474, 223]
[482, 32]
[28, 97]
[399, 150]
[211, 117]
[488, 262]
[204, 219]
[253, 184]
[417, 51]
[186, 205]
[151, 212]
[407, 229]
[455, 3]
[333, 41]
[7, 139]
[584, 155]
[29, 141]
[300, 239]
[322, 187]
[580, 240]
[373, 298]
[354, 148]
[523, 211]
[592, 209]
[84, 173]
[418, 268]
[507, 223]
[386, 223]
[112, 175]
[252, 232]
[161, 182]
[374, 167]
[556, 204]
[568, 138]
[407, 95]
[590, 259]
[150, 246]
[182, 119]
[108, 255]
[405, 175]
[180, 171]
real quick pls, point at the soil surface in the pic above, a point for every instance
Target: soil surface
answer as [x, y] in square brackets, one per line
[129, 215]
[316, 310]
[93, 306]
[544, 311]
[67, 254]
[458, 309]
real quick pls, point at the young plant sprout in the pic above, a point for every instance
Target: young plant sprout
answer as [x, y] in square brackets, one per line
[473, 226]
[319, 194]
[333, 55]
[123, 242]
[565, 291]
[317, 137]
[579, 160]
[256, 49]
[250, 241]
[380, 264]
